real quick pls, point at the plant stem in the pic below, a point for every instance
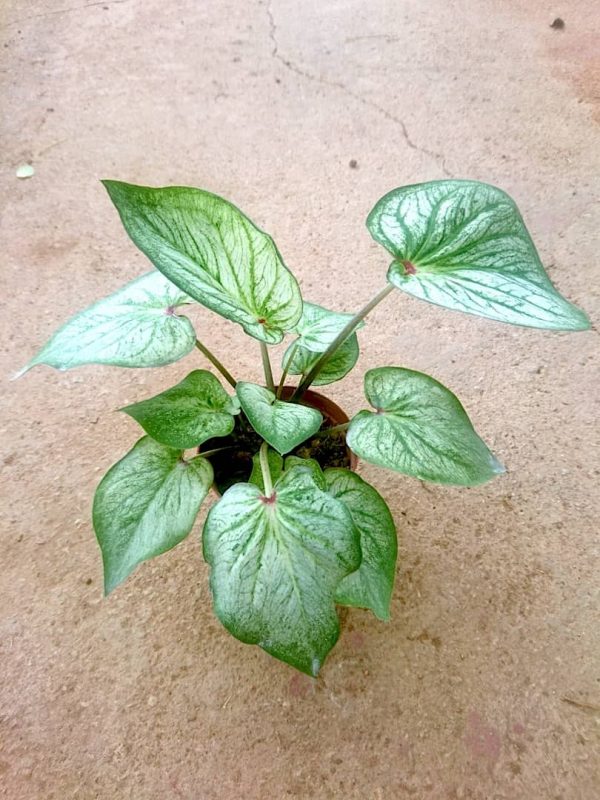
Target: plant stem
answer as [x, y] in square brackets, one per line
[339, 340]
[286, 369]
[336, 428]
[267, 367]
[215, 361]
[209, 453]
[264, 465]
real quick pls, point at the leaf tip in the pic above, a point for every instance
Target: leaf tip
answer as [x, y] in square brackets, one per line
[107, 183]
[22, 371]
[497, 467]
[109, 584]
[114, 574]
[382, 612]
[581, 320]
[114, 188]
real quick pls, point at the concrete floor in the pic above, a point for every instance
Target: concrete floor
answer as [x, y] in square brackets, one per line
[485, 684]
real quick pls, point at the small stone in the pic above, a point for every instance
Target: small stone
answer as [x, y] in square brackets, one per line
[25, 171]
[558, 24]
[353, 163]
[152, 700]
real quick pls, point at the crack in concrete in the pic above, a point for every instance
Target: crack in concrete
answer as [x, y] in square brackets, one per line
[387, 36]
[64, 11]
[290, 65]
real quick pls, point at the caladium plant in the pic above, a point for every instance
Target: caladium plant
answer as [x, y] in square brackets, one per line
[296, 531]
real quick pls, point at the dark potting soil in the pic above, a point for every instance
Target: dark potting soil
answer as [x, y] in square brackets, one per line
[235, 465]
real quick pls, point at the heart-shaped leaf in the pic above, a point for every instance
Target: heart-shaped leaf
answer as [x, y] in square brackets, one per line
[464, 245]
[419, 428]
[337, 366]
[188, 414]
[135, 327]
[307, 463]
[275, 461]
[212, 251]
[282, 425]
[372, 584]
[276, 563]
[145, 505]
[318, 327]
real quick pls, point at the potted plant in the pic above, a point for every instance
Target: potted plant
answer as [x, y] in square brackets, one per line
[295, 530]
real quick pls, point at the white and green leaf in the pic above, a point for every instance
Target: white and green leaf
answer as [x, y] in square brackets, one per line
[372, 584]
[276, 563]
[337, 366]
[212, 251]
[145, 505]
[419, 428]
[307, 463]
[318, 327]
[134, 327]
[283, 425]
[463, 245]
[196, 409]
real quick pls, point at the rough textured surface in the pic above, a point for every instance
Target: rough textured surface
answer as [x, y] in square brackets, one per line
[485, 684]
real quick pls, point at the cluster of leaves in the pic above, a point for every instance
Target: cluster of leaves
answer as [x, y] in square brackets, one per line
[295, 540]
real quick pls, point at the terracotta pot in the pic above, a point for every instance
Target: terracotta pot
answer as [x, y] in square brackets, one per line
[331, 412]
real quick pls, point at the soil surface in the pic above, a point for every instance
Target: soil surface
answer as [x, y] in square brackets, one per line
[234, 464]
[485, 684]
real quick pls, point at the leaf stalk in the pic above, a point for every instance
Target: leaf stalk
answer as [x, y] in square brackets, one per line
[216, 363]
[210, 453]
[339, 340]
[267, 367]
[264, 465]
[335, 429]
[286, 369]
